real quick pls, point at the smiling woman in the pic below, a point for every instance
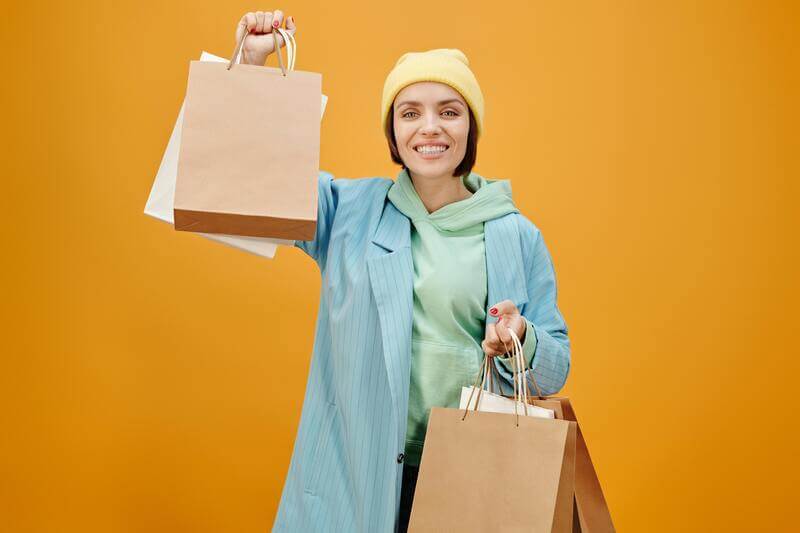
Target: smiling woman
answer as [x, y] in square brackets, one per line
[406, 112]
[430, 272]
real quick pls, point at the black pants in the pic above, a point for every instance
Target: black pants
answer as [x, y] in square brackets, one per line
[407, 496]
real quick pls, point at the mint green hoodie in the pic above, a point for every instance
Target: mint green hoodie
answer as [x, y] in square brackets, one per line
[450, 291]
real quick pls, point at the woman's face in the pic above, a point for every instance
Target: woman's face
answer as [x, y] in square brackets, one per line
[433, 115]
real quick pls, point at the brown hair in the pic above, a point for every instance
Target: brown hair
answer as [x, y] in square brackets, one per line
[465, 167]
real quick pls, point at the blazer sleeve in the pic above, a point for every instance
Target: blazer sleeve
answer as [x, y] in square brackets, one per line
[550, 361]
[327, 201]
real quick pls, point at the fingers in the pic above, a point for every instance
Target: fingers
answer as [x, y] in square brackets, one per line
[506, 307]
[489, 343]
[277, 19]
[247, 23]
[492, 345]
[488, 350]
[501, 329]
[265, 21]
[508, 311]
[260, 22]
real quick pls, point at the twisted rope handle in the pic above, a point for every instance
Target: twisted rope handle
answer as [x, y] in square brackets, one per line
[291, 49]
[521, 394]
[523, 366]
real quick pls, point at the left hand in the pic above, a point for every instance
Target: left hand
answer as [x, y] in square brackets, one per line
[498, 339]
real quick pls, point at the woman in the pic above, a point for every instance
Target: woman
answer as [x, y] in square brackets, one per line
[408, 268]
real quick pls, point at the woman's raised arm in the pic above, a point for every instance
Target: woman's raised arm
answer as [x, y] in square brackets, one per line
[327, 201]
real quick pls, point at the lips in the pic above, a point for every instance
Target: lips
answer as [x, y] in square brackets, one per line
[432, 155]
[433, 145]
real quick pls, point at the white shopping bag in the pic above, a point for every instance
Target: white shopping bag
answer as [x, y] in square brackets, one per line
[495, 403]
[162, 195]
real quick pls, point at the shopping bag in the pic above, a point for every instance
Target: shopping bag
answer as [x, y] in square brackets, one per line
[495, 403]
[591, 513]
[591, 509]
[490, 402]
[483, 471]
[248, 162]
[162, 194]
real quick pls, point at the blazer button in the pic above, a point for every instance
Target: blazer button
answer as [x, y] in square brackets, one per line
[400, 458]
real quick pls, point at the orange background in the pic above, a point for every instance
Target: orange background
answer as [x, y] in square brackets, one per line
[153, 380]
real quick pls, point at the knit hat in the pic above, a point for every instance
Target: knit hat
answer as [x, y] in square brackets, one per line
[446, 65]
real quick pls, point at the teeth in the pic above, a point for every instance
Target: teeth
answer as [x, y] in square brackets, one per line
[431, 149]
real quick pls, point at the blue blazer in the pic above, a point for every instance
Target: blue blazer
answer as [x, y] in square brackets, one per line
[346, 468]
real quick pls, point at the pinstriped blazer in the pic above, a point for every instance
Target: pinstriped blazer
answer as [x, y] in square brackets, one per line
[346, 469]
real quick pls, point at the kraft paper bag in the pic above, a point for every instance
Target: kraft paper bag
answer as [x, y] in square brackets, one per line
[249, 154]
[483, 471]
[486, 473]
[162, 194]
[591, 510]
[591, 514]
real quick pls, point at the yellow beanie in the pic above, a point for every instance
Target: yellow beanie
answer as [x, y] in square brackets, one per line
[446, 65]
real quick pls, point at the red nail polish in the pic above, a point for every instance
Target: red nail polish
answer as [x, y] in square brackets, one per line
[493, 311]
[274, 23]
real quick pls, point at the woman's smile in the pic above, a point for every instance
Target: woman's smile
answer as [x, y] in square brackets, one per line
[431, 151]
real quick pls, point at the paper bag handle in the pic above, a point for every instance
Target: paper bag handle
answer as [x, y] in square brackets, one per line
[291, 49]
[518, 392]
[520, 383]
[524, 368]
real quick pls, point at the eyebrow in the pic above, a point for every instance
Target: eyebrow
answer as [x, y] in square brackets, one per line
[412, 102]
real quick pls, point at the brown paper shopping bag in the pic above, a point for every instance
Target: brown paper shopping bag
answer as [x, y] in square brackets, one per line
[591, 514]
[483, 471]
[591, 510]
[249, 153]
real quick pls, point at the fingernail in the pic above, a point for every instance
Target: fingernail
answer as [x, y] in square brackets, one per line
[493, 310]
[274, 23]
[499, 320]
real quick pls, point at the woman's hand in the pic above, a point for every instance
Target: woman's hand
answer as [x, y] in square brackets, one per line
[259, 43]
[498, 340]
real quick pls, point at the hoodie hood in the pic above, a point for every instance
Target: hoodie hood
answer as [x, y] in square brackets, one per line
[490, 199]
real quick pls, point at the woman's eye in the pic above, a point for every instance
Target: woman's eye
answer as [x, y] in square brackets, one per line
[407, 113]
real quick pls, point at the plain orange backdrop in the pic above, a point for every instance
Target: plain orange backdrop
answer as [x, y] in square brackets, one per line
[152, 381]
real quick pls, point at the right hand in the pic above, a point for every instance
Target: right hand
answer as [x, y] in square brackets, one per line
[259, 43]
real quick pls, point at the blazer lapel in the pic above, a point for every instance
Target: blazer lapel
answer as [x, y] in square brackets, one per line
[391, 275]
[391, 272]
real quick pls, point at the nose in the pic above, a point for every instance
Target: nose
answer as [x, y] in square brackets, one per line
[431, 124]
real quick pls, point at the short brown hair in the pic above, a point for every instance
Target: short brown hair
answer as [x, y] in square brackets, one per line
[465, 167]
